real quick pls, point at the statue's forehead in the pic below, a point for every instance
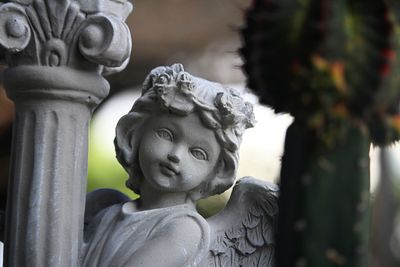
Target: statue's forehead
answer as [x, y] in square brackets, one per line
[190, 122]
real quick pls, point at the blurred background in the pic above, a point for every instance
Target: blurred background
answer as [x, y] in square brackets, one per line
[204, 36]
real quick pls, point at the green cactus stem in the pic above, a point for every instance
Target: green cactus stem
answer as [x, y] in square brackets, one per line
[324, 199]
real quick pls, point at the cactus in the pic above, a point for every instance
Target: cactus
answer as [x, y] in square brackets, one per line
[328, 64]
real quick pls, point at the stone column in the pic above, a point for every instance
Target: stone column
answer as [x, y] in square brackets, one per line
[57, 52]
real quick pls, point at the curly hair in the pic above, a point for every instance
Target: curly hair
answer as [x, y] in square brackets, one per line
[172, 89]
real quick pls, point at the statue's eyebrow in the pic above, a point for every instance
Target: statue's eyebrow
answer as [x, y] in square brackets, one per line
[175, 129]
[204, 144]
[170, 124]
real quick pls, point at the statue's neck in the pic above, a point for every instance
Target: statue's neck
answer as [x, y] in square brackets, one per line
[151, 198]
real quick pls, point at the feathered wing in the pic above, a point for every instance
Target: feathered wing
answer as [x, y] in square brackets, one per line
[243, 234]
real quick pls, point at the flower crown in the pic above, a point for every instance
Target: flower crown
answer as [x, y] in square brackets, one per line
[181, 92]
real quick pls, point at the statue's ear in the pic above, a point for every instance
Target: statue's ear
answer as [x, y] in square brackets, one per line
[225, 177]
[226, 169]
[222, 179]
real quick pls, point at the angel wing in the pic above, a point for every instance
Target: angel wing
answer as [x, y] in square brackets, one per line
[243, 233]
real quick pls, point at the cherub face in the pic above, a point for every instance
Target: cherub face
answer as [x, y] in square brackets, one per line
[177, 153]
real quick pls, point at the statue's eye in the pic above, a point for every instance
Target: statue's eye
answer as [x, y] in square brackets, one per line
[199, 153]
[165, 134]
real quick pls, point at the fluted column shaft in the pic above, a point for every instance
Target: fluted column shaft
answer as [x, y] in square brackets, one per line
[49, 171]
[49, 165]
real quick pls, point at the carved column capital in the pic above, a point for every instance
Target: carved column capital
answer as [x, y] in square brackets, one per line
[88, 36]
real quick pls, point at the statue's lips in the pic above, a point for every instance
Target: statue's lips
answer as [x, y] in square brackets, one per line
[168, 169]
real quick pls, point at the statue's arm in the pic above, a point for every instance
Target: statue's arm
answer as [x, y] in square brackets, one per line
[173, 246]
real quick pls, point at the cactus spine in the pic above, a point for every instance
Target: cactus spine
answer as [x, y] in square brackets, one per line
[328, 64]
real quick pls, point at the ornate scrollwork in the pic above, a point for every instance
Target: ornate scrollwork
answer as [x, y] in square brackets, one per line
[15, 32]
[58, 33]
[105, 40]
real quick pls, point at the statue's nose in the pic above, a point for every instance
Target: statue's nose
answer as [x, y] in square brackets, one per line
[176, 152]
[173, 157]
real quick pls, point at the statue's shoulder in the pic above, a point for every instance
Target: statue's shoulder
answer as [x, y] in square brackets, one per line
[185, 221]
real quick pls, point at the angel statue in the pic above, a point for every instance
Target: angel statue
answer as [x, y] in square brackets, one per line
[180, 143]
